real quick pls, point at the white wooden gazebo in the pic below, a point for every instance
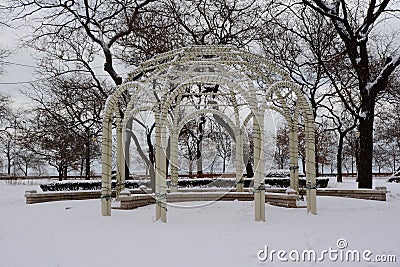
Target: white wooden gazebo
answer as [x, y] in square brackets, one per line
[248, 85]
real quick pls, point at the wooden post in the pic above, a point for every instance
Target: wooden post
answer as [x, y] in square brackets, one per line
[174, 161]
[120, 159]
[106, 167]
[259, 186]
[161, 182]
[293, 152]
[239, 161]
[310, 165]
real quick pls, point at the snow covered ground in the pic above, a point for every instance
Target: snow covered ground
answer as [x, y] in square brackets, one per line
[73, 233]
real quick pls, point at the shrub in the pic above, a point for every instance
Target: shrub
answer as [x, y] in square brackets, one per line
[87, 185]
[394, 180]
[188, 183]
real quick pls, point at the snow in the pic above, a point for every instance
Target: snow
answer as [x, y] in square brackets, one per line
[394, 62]
[363, 114]
[370, 85]
[362, 37]
[290, 190]
[73, 233]
[333, 6]
[342, 28]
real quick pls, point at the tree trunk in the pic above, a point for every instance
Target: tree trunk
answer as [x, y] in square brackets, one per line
[152, 159]
[190, 168]
[364, 174]
[87, 158]
[8, 157]
[87, 168]
[60, 173]
[8, 164]
[82, 165]
[247, 161]
[199, 160]
[352, 163]
[339, 177]
[65, 172]
[152, 178]
[249, 170]
[316, 157]
[394, 162]
[322, 168]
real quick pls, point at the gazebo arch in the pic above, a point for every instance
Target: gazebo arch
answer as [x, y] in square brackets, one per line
[171, 76]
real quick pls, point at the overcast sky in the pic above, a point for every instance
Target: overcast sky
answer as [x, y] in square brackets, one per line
[20, 71]
[20, 66]
[14, 74]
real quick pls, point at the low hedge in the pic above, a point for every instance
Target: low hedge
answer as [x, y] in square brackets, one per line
[86, 185]
[394, 180]
[285, 182]
[188, 183]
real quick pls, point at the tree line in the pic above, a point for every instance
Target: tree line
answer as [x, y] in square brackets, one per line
[343, 55]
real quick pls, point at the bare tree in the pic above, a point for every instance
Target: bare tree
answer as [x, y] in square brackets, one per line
[54, 141]
[100, 23]
[298, 40]
[27, 160]
[282, 147]
[7, 131]
[218, 22]
[5, 109]
[387, 134]
[354, 23]
[188, 141]
[326, 147]
[8, 120]
[343, 123]
[223, 143]
[76, 103]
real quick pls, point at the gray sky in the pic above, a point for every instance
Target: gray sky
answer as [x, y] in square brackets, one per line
[14, 74]
[21, 70]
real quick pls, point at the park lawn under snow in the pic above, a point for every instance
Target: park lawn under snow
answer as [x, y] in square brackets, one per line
[73, 233]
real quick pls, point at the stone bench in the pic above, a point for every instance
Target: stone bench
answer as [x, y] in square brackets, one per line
[274, 196]
[32, 197]
[138, 200]
[379, 193]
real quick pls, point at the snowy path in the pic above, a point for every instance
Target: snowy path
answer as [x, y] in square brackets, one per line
[222, 234]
